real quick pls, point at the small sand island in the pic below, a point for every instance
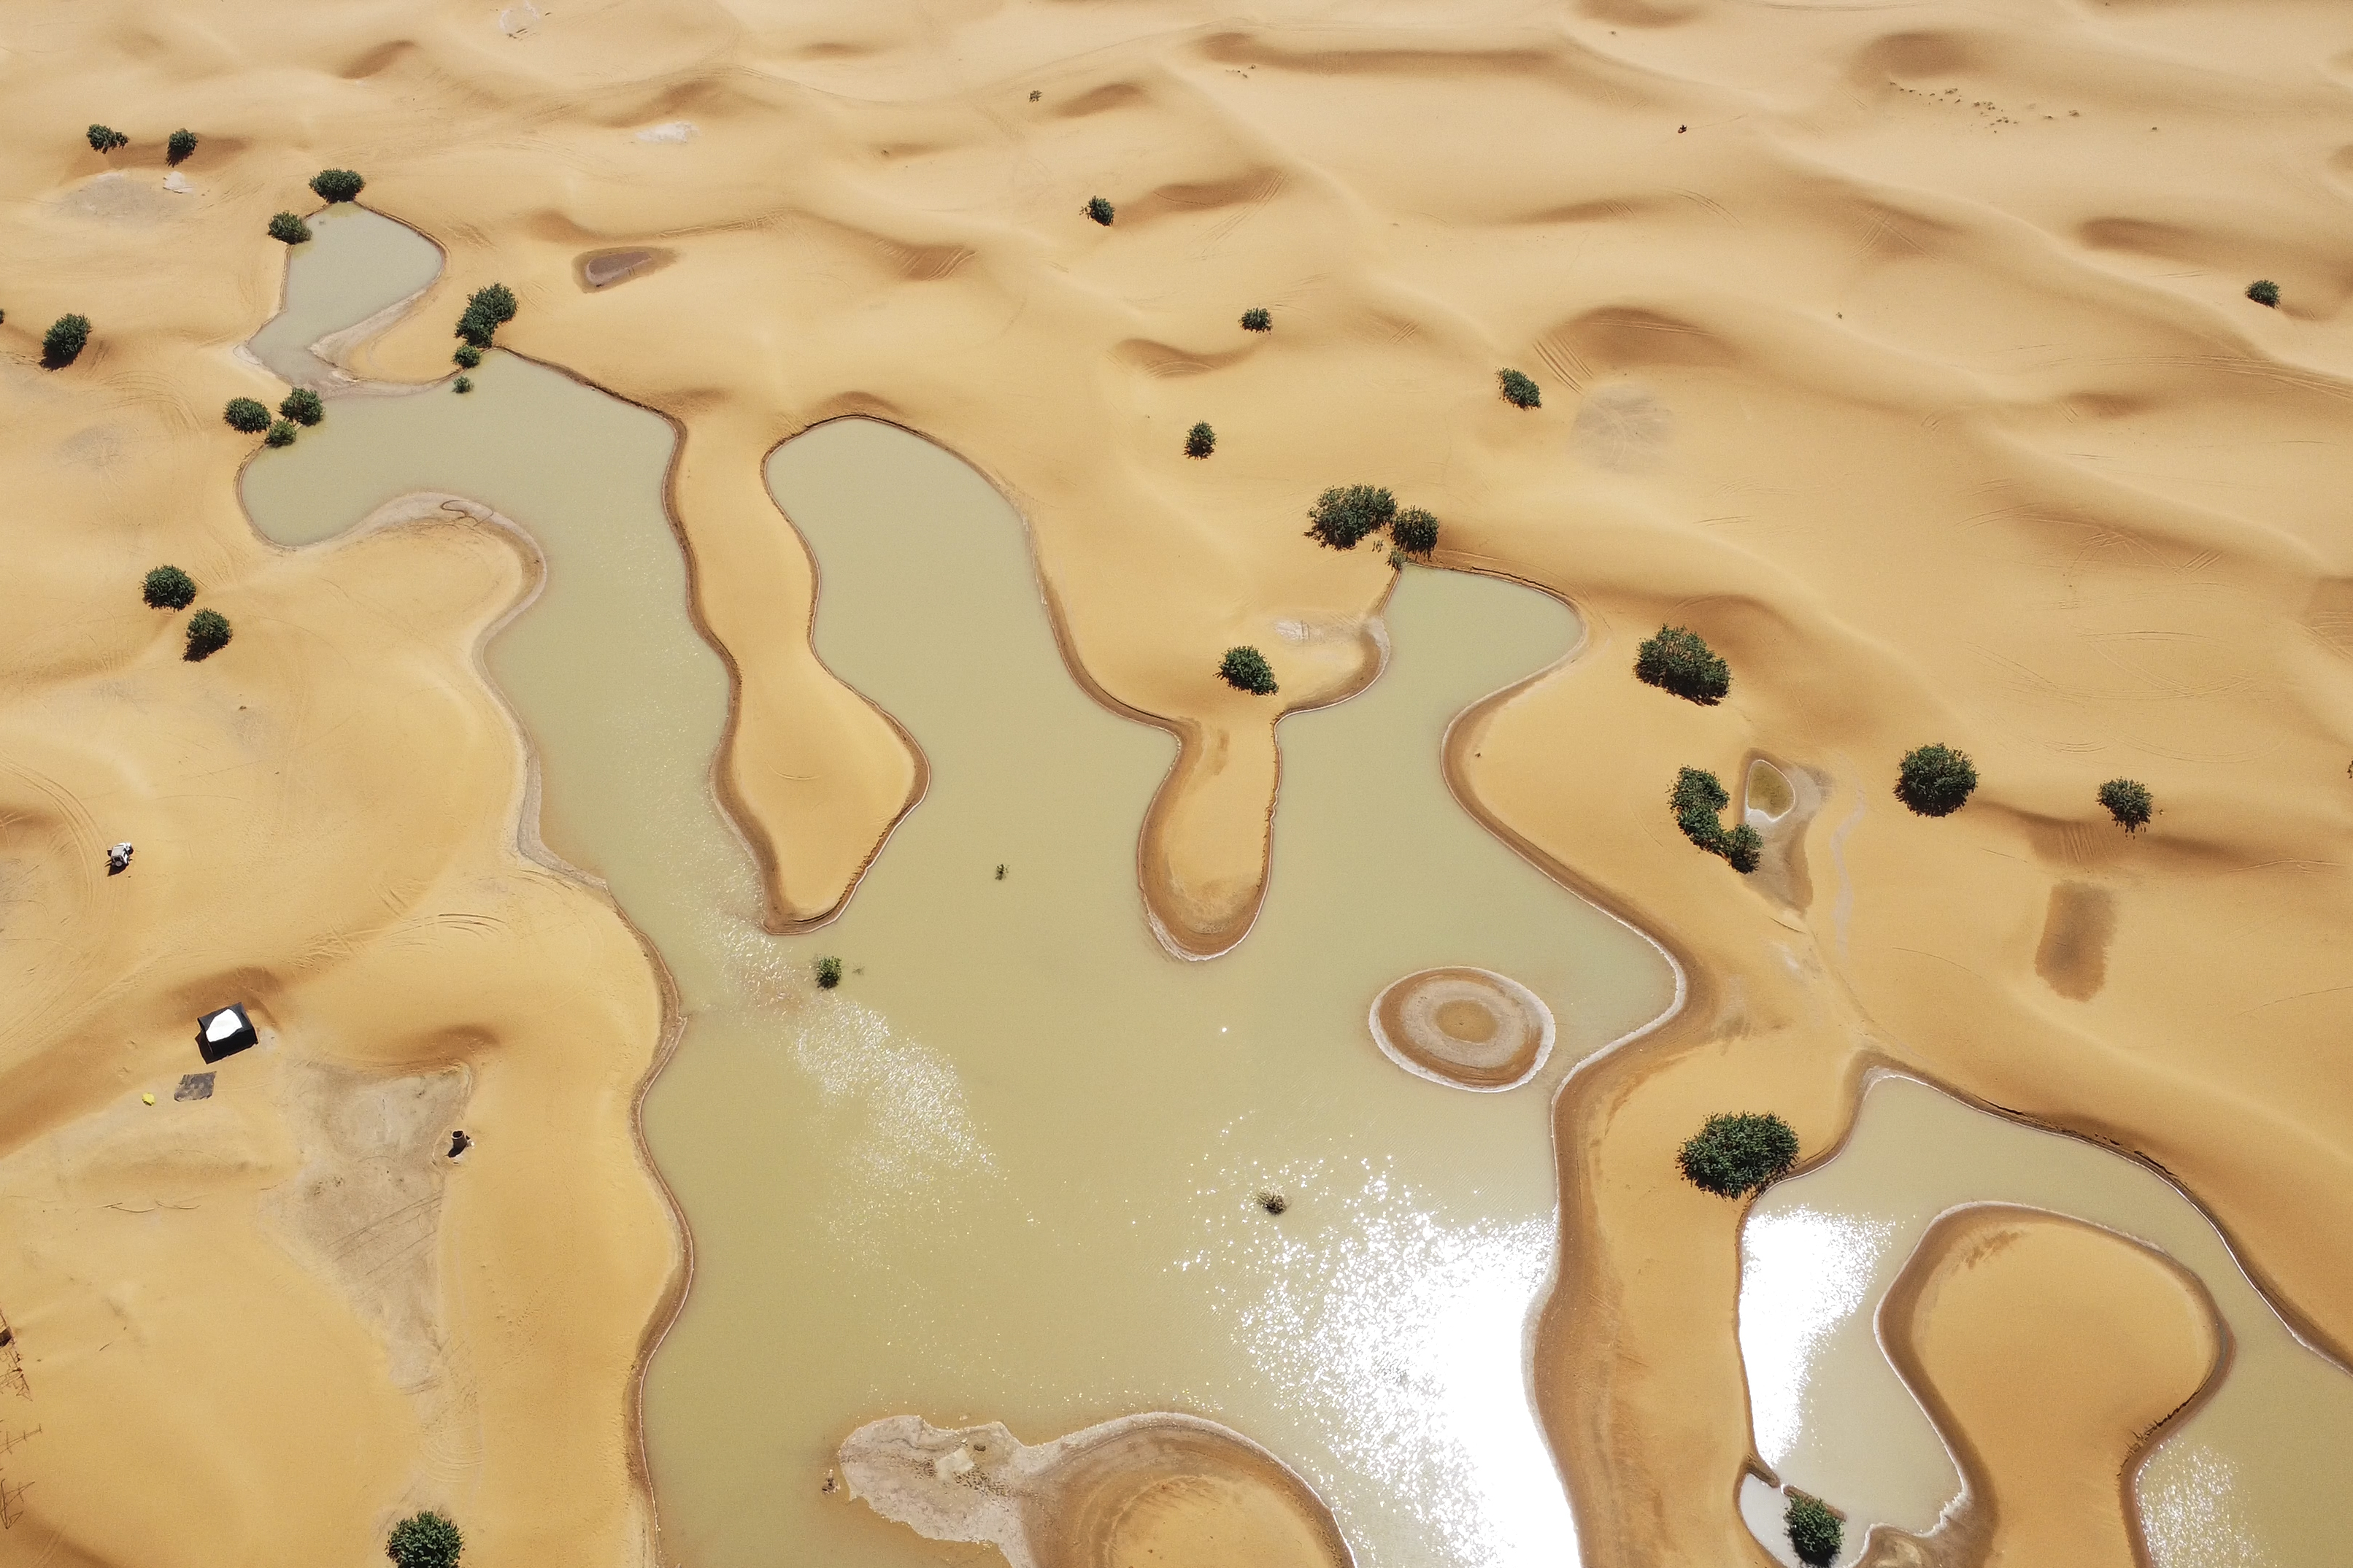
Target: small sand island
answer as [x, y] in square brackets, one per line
[1471, 1028]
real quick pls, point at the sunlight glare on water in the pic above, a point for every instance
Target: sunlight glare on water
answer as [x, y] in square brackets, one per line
[1802, 1273]
[2193, 1515]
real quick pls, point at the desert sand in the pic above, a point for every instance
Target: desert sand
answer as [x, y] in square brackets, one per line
[1468, 1028]
[1902, 354]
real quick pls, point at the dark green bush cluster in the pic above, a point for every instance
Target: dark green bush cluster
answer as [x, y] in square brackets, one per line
[1935, 781]
[246, 414]
[104, 138]
[303, 407]
[1733, 1156]
[1518, 390]
[462, 385]
[2129, 802]
[1100, 210]
[425, 1541]
[829, 972]
[1343, 517]
[337, 186]
[168, 588]
[281, 434]
[63, 343]
[468, 356]
[180, 146]
[208, 633]
[288, 228]
[1815, 1532]
[2264, 291]
[1246, 670]
[1679, 660]
[1698, 797]
[1258, 319]
[486, 312]
[1200, 440]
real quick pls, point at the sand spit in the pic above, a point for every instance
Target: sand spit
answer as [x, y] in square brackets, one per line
[1470, 1028]
[1169, 1490]
[2053, 1355]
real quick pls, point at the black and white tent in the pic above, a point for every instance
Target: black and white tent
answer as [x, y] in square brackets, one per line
[224, 1033]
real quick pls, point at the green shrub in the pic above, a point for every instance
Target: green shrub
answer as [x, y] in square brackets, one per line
[302, 406]
[1935, 781]
[281, 434]
[1697, 798]
[180, 146]
[1733, 1156]
[829, 972]
[1258, 319]
[63, 343]
[425, 1541]
[2129, 801]
[1246, 670]
[288, 228]
[1100, 210]
[244, 414]
[468, 356]
[1815, 1532]
[208, 633]
[486, 312]
[1518, 390]
[1341, 518]
[103, 138]
[462, 385]
[337, 185]
[1200, 440]
[2264, 291]
[1414, 532]
[1679, 660]
[168, 588]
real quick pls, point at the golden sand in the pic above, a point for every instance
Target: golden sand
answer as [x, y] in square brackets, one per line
[1468, 1027]
[1902, 354]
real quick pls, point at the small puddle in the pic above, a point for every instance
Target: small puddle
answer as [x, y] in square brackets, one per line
[2254, 1478]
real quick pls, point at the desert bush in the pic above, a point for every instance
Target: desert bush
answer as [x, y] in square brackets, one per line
[425, 1541]
[1246, 670]
[1100, 210]
[281, 434]
[1679, 660]
[1341, 517]
[1733, 1156]
[829, 972]
[1518, 390]
[462, 385]
[1698, 797]
[168, 588]
[208, 633]
[105, 139]
[180, 146]
[1815, 1532]
[244, 414]
[63, 343]
[2264, 291]
[1414, 532]
[1258, 319]
[468, 356]
[337, 186]
[2129, 801]
[302, 406]
[1200, 440]
[1935, 781]
[288, 228]
[488, 309]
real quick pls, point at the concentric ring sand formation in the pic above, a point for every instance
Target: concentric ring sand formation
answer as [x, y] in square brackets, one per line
[1471, 1028]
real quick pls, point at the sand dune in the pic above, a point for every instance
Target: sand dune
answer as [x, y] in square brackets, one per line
[1921, 380]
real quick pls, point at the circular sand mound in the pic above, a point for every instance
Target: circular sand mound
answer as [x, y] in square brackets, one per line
[1468, 1028]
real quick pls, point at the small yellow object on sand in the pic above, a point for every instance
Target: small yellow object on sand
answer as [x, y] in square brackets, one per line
[149, 1099]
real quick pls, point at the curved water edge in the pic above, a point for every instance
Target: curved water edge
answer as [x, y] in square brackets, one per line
[1359, 1334]
[2247, 1479]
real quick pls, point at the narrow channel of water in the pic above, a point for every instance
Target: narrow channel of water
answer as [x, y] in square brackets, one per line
[1010, 1169]
[2256, 1478]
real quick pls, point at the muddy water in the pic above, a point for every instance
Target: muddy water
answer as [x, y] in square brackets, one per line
[1011, 1168]
[355, 262]
[2256, 1477]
